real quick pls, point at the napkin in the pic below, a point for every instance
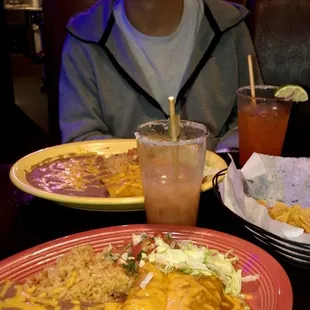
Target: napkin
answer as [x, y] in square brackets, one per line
[272, 179]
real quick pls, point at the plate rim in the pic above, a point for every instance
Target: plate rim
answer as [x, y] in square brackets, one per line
[68, 242]
[81, 201]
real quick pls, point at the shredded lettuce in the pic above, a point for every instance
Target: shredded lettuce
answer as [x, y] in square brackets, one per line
[250, 278]
[198, 260]
[187, 257]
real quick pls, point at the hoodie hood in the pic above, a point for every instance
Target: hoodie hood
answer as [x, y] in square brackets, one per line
[91, 25]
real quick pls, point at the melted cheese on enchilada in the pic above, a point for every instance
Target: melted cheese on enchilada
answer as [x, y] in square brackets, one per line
[179, 291]
[185, 292]
[174, 291]
[153, 296]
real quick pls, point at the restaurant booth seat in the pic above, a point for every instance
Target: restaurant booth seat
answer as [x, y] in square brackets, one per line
[280, 31]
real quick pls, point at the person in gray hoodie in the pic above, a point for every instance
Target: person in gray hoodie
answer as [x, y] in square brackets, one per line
[122, 59]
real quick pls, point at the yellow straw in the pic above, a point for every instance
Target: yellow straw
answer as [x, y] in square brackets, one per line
[172, 119]
[251, 75]
[173, 130]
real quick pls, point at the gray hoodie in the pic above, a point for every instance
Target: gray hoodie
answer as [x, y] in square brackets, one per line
[104, 93]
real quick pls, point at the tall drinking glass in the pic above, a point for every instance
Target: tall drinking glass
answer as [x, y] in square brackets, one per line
[262, 121]
[172, 172]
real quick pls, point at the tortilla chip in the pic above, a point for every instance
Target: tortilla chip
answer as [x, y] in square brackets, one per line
[294, 215]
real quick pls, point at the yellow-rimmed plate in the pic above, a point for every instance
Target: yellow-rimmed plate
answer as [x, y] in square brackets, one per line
[214, 163]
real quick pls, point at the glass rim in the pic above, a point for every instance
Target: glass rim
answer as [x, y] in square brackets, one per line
[239, 93]
[146, 139]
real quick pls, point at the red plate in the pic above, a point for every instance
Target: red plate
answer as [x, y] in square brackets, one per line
[272, 291]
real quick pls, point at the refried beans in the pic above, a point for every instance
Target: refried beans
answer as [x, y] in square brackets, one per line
[87, 175]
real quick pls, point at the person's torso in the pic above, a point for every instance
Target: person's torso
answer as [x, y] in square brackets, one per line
[163, 59]
[209, 100]
[207, 90]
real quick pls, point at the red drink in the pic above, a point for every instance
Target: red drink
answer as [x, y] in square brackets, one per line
[262, 123]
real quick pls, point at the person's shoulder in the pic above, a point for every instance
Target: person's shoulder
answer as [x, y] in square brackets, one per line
[75, 47]
[90, 24]
[227, 14]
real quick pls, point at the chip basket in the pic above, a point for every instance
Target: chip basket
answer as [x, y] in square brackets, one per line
[295, 253]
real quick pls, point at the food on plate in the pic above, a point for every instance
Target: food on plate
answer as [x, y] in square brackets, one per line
[148, 273]
[196, 292]
[84, 275]
[93, 175]
[292, 215]
[149, 291]
[89, 175]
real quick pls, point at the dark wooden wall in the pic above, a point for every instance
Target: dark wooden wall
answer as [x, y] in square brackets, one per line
[7, 94]
[56, 16]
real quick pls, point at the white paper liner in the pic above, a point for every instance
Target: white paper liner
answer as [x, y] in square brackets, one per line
[272, 179]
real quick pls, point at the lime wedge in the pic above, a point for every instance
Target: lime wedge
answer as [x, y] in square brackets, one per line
[300, 95]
